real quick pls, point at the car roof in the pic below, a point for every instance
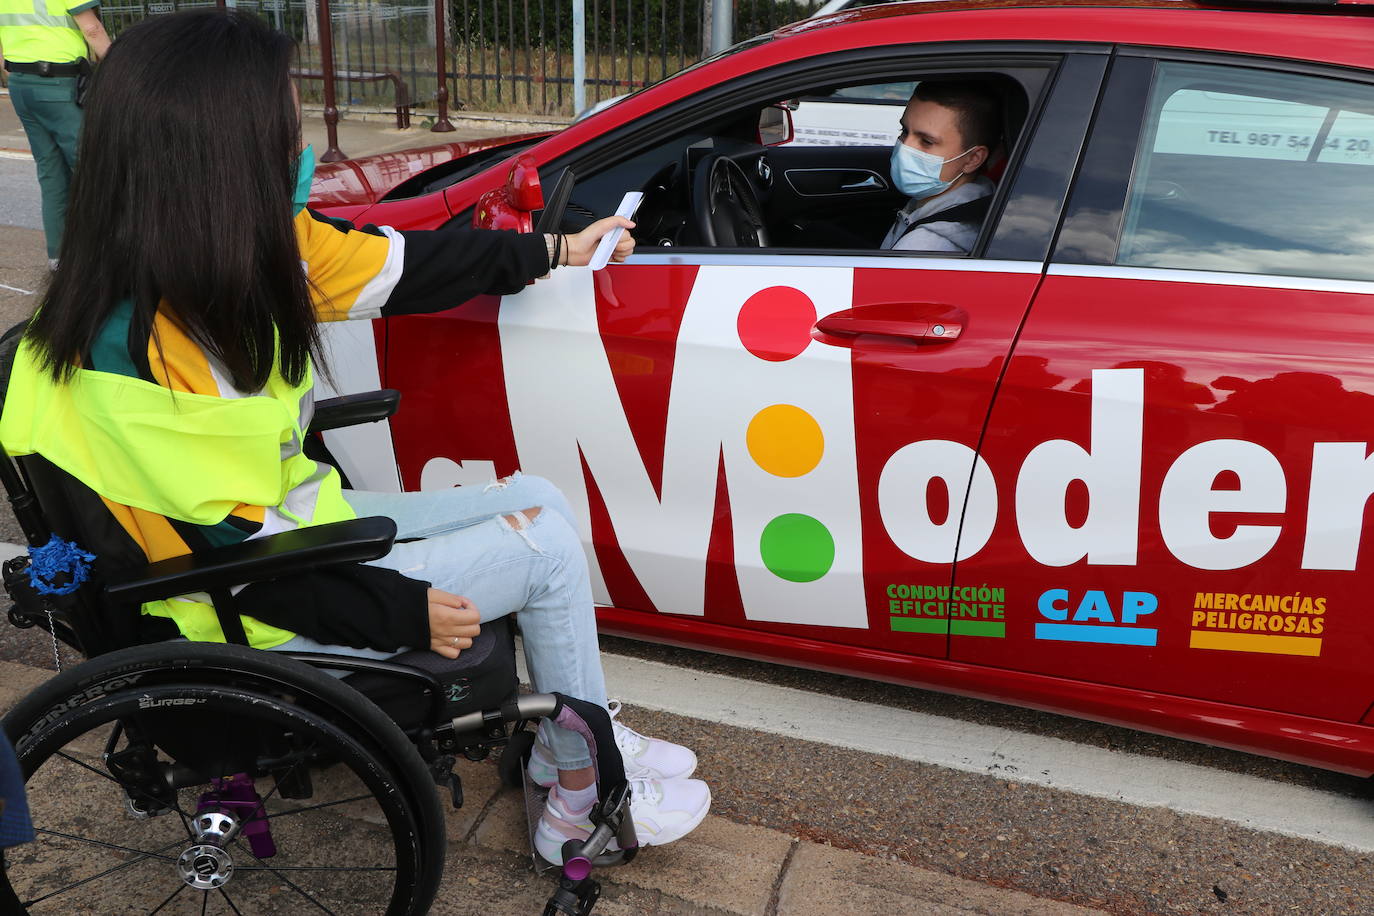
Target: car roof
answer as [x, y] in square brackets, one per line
[1331, 31]
[886, 10]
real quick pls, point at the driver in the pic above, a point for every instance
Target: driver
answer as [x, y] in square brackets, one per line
[948, 131]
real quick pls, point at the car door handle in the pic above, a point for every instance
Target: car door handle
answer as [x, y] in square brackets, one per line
[870, 182]
[844, 327]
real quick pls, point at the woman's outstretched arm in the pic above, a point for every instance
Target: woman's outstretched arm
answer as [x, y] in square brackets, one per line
[374, 271]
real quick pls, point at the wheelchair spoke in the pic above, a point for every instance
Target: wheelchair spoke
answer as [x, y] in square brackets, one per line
[277, 780]
[276, 816]
[170, 897]
[359, 848]
[81, 839]
[263, 866]
[225, 895]
[185, 818]
[280, 868]
[285, 880]
[109, 871]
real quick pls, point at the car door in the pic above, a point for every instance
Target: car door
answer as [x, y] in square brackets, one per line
[771, 444]
[1180, 448]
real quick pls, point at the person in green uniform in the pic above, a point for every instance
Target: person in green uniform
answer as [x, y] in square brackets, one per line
[46, 46]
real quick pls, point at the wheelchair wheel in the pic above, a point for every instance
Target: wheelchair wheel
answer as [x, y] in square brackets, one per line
[514, 756]
[219, 793]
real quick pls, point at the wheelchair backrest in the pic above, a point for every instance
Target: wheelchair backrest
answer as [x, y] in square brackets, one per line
[48, 501]
[68, 509]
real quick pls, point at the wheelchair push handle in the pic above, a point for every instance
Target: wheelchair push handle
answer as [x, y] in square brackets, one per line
[23, 501]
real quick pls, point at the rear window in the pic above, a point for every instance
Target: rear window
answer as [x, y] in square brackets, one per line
[1253, 171]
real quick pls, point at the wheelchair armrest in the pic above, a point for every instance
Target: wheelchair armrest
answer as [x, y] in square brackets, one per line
[352, 409]
[353, 541]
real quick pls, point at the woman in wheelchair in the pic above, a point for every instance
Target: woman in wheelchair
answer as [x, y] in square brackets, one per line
[169, 369]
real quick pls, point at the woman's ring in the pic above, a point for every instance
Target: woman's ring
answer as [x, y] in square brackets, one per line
[455, 642]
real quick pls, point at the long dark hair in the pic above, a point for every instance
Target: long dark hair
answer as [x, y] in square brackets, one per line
[182, 196]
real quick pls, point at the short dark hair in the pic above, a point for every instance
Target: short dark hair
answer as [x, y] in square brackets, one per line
[182, 198]
[974, 102]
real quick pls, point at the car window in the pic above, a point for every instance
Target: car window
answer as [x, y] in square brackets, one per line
[784, 193]
[1253, 171]
[865, 115]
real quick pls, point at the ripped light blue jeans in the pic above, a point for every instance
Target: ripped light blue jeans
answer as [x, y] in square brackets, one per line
[468, 548]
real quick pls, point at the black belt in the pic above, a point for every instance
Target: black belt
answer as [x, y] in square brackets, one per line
[48, 68]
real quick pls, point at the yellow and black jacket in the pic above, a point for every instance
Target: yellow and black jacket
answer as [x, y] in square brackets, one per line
[184, 461]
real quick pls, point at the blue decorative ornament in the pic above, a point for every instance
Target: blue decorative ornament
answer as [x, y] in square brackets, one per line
[53, 561]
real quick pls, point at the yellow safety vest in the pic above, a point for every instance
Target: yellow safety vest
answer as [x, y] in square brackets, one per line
[191, 457]
[34, 30]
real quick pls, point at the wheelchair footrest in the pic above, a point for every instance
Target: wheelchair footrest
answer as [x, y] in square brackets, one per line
[536, 796]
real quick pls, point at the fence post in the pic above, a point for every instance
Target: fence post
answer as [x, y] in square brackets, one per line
[579, 55]
[331, 112]
[722, 24]
[441, 123]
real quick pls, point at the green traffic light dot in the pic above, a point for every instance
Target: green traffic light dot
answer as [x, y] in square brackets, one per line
[797, 548]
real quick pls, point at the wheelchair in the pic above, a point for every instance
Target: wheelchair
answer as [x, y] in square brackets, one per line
[178, 776]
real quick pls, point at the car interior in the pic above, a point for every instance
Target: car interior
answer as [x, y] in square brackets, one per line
[750, 180]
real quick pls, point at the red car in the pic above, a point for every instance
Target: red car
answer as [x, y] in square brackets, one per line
[1115, 463]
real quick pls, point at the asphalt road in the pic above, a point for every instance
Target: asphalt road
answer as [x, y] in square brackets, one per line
[1124, 858]
[19, 201]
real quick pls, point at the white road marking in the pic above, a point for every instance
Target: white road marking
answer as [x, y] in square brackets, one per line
[15, 154]
[26, 292]
[1249, 801]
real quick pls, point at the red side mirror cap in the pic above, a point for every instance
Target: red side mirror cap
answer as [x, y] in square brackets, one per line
[523, 184]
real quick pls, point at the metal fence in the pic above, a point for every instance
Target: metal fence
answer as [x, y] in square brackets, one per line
[519, 56]
[502, 55]
[516, 55]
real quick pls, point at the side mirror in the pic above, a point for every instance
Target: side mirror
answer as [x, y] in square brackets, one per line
[775, 125]
[512, 205]
[523, 182]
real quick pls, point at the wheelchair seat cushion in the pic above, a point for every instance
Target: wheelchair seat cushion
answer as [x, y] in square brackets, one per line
[482, 677]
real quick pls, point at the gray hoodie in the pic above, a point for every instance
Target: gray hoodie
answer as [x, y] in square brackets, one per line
[938, 236]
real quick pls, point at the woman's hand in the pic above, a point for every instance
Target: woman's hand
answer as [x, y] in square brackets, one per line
[453, 623]
[579, 247]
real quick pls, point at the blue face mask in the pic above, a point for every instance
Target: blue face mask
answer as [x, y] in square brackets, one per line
[305, 174]
[917, 173]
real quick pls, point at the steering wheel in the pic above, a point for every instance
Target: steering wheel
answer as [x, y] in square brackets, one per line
[724, 206]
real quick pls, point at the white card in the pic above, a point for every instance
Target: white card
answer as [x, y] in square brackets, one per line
[628, 205]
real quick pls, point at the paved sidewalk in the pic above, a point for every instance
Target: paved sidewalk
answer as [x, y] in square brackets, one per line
[723, 867]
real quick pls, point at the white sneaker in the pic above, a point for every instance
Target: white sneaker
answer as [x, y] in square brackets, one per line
[662, 810]
[644, 757]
